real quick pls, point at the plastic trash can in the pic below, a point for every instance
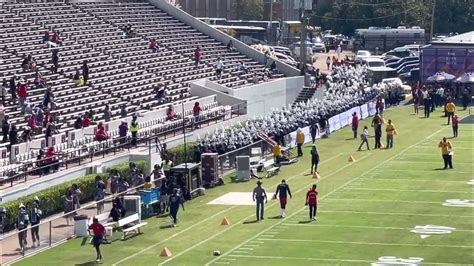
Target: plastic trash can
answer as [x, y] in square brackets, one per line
[81, 225]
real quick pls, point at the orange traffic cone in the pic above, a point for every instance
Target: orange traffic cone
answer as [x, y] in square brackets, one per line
[225, 221]
[316, 175]
[166, 252]
[351, 159]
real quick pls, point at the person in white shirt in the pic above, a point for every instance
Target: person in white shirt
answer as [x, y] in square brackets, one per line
[219, 67]
[365, 138]
[243, 67]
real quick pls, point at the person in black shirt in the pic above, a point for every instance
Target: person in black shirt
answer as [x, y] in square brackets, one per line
[283, 190]
[13, 135]
[5, 129]
[314, 159]
[175, 201]
[85, 71]
[55, 61]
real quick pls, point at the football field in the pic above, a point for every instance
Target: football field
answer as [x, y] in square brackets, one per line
[389, 207]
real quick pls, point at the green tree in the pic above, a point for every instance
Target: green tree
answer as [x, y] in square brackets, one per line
[249, 9]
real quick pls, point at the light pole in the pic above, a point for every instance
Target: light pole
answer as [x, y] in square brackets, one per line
[270, 39]
[184, 133]
[302, 35]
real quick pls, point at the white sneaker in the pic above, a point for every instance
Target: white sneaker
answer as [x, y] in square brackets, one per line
[174, 225]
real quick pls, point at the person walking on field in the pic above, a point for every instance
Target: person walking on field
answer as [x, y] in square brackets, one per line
[450, 109]
[312, 202]
[299, 141]
[98, 231]
[447, 152]
[455, 124]
[282, 191]
[355, 124]
[314, 159]
[390, 130]
[365, 138]
[175, 200]
[377, 125]
[259, 195]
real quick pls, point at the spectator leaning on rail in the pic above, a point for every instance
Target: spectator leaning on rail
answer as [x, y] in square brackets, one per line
[107, 113]
[123, 129]
[134, 130]
[101, 134]
[196, 112]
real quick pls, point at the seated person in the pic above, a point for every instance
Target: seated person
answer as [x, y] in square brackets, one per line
[230, 46]
[253, 175]
[243, 67]
[101, 134]
[78, 79]
[278, 154]
[46, 37]
[170, 115]
[153, 45]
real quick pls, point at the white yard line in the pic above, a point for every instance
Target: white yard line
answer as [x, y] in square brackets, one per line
[342, 186]
[413, 180]
[407, 190]
[363, 226]
[393, 201]
[399, 214]
[322, 259]
[269, 205]
[426, 162]
[380, 171]
[363, 243]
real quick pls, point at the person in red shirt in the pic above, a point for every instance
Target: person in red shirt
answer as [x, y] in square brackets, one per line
[455, 123]
[196, 112]
[56, 38]
[86, 121]
[46, 37]
[22, 93]
[197, 56]
[355, 124]
[153, 45]
[50, 159]
[170, 113]
[101, 134]
[312, 201]
[98, 231]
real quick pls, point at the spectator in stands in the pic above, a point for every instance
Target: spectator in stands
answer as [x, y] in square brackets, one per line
[86, 121]
[197, 56]
[2, 112]
[51, 159]
[123, 111]
[47, 98]
[39, 81]
[38, 111]
[46, 37]
[196, 112]
[134, 130]
[255, 79]
[170, 113]
[219, 67]
[138, 179]
[33, 124]
[4, 91]
[13, 135]
[78, 122]
[243, 67]
[85, 71]
[22, 94]
[50, 130]
[26, 135]
[265, 57]
[55, 61]
[29, 63]
[5, 129]
[13, 89]
[107, 113]
[123, 129]
[56, 38]
[230, 46]
[101, 134]
[154, 46]
[78, 79]
[122, 185]
[273, 67]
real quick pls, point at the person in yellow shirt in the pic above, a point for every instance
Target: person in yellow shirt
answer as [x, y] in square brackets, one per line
[148, 184]
[450, 109]
[390, 130]
[447, 152]
[299, 141]
[277, 154]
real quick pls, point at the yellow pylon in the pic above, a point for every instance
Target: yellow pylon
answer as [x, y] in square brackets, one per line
[351, 159]
[166, 252]
[225, 221]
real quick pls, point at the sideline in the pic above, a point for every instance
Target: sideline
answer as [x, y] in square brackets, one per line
[187, 229]
[330, 193]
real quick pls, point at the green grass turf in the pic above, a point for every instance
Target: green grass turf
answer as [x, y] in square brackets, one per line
[366, 210]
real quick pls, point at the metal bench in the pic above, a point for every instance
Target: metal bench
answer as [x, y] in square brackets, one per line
[133, 221]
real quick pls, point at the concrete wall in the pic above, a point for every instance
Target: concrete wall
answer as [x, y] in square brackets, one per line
[220, 36]
[203, 89]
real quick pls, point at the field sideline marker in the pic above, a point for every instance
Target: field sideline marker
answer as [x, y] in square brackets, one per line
[342, 186]
[401, 214]
[407, 190]
[246, 218]
[363, 227]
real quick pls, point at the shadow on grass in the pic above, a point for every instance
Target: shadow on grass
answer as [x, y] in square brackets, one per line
[166, 226]
[87, 263]
[439, 169]
[275, 217]
[251, 222]
[305, 222]
[350, 138]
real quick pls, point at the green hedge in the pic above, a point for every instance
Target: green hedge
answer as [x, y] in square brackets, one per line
[177, 153]
[52, 199]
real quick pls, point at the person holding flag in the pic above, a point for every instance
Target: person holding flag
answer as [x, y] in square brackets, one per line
[282, 191]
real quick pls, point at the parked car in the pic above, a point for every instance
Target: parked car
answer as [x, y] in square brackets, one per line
[286, 59]
[399, 52]
[319, 47]
[361, 54]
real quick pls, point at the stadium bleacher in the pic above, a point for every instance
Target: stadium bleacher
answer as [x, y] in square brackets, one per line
[123, 70]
